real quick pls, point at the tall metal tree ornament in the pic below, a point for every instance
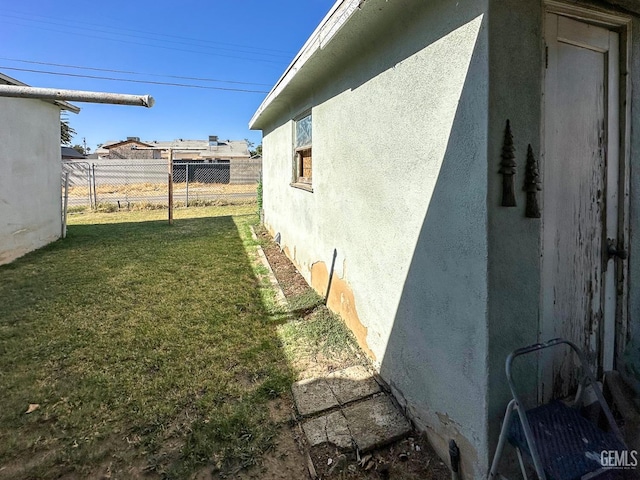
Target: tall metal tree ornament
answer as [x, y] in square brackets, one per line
[532, 185]
[508, 169]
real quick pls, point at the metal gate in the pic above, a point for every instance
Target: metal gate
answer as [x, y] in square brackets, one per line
[80, 189]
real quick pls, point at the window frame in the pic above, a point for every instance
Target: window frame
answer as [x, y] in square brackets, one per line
[299, 180]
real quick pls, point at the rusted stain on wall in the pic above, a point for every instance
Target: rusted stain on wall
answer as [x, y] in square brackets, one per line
[340, 301]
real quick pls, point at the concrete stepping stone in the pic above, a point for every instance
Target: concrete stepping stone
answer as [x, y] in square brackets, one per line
[352, 384]
[375, 422]
[367, 425]
[361, 416]
[315, 395]
[331, 428]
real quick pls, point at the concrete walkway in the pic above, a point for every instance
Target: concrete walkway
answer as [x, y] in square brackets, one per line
[348, 409]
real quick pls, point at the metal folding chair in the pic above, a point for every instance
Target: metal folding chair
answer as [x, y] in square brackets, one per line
[559, 442]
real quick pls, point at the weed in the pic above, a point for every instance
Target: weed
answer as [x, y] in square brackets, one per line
[77, 209]
[107, 207]
[305, 303]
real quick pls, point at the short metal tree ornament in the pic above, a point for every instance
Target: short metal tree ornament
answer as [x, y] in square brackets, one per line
[508, 169]
[532, 185]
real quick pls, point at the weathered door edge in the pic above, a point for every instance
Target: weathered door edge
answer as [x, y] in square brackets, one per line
[622, 24]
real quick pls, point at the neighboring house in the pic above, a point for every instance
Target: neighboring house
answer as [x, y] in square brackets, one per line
[69, 153]
[131, 148]
[30, 190]
[387, 161]
[241, 167]
[192, 150]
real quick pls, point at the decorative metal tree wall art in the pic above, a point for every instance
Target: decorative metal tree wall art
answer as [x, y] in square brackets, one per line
[508, 169]
[532, 185]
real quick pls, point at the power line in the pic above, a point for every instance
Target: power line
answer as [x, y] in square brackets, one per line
[121, 34]
[110, 31]
[131, 73]
[149, 82]
[152, 46]
[29, 15]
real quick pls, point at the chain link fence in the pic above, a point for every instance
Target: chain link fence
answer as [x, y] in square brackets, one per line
[127, 184]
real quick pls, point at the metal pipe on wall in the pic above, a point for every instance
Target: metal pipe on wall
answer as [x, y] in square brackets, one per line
[18, 91]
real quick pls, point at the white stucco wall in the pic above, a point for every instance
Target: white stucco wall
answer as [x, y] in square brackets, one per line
[399, 191]
[30, 172]
[408, 133]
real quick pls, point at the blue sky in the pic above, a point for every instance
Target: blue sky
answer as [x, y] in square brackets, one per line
[248, 41]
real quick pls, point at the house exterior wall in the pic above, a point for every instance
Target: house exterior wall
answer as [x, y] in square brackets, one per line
[30, 208]
[515, 74]
[438, 281]
[399, 192]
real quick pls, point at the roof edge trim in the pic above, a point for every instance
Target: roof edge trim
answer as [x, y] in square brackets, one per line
[333, 21]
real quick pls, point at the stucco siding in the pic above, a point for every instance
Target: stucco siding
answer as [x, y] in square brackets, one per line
[514, 240]
[30, 176]
[399, 192]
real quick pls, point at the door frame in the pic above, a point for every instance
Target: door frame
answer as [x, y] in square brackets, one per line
[621, 24]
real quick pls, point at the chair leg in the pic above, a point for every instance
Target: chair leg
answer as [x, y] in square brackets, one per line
[504, 432]
[521, 462]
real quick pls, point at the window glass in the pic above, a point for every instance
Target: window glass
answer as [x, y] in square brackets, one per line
[303, 131]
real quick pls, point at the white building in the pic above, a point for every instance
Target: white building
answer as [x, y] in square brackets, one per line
[30, 166]
[386, 140]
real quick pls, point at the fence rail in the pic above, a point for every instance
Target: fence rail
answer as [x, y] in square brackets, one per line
[130, 183]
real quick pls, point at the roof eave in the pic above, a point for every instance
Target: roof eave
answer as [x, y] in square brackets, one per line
[333, 21]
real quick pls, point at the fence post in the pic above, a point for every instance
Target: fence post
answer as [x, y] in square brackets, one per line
[89, 183]
[170, 186]
[65, 204]
[95, 193]
[186, 173]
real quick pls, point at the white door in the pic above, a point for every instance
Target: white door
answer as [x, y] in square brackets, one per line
[580, 173]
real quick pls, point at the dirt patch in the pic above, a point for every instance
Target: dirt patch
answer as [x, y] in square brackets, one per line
[290, 280]
[408, 459]
[284, 462]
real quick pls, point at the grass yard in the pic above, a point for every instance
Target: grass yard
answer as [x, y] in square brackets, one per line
[143, 349]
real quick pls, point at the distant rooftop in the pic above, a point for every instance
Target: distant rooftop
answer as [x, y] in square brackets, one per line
[228, 148]
[71, 153]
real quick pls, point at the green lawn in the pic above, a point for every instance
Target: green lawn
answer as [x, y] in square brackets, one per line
[149, 348]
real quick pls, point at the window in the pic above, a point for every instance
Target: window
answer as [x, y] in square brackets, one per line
[303, 159]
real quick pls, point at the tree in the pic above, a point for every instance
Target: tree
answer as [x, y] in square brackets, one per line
[80, 149]
[257, 152]
[66, 131]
